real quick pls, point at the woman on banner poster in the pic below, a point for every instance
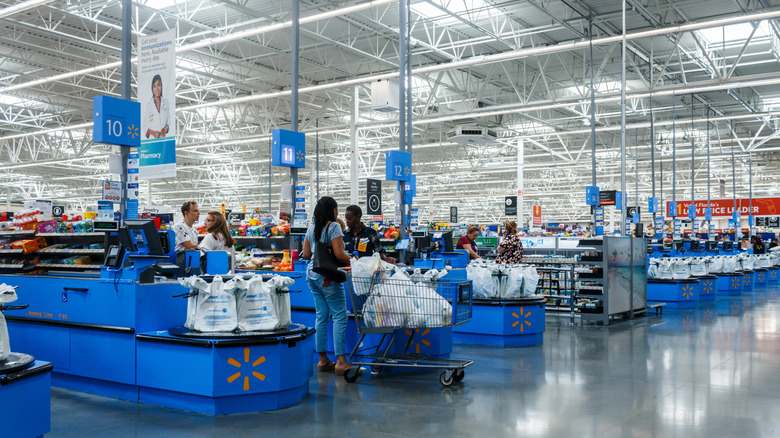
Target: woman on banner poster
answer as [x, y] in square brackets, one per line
[157, 111]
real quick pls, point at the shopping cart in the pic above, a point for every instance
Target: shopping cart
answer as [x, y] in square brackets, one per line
[383, 305]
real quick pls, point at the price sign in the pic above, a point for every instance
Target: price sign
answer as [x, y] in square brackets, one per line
[116, 121]
[288, 148]
[398, 166]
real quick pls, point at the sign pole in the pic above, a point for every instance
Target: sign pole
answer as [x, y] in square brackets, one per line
[127, 40]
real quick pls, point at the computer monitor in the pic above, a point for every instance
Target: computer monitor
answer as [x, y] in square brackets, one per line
[695, 246]
[679, 246]
[140, 235]
[727, 245]
[712, 245]
[447, 238]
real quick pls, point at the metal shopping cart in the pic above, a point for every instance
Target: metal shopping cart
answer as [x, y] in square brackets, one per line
[383, 305]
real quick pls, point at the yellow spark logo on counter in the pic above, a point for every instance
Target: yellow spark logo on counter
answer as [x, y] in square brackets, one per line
[524, 323]
[687, 294]
[707, 286]
[237, 364]
[735, 282]
[423, 341]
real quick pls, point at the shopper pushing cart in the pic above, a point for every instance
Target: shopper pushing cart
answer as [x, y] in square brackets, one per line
[383, 303]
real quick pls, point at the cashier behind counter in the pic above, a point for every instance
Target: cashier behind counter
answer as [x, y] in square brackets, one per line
[361, 238]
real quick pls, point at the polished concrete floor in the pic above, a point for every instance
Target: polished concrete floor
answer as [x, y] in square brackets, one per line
[712, 371]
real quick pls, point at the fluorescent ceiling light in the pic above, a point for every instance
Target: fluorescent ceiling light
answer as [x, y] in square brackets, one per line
[162, 4]
[734, 32]
[456, 7]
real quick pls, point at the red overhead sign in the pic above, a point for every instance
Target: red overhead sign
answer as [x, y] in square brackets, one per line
[725, 207]
[537, 217]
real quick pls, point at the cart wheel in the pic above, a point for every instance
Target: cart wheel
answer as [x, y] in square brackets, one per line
[351, 375]
[377, 369]
[446, 378]
[459, 375]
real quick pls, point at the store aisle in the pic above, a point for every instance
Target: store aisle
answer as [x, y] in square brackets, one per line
[713, 371]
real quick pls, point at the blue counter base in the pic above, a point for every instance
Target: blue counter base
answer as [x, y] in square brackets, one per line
[773, 277]
[708, 286]
[504, 324]
[236, 404]
[748, 281]
[224, 376]
[103, 388]
[25, 402]
[761, 277]
[676, 293]
[730, 284]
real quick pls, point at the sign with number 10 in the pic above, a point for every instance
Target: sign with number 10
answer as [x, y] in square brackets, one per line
[398, 166]
[116, 121]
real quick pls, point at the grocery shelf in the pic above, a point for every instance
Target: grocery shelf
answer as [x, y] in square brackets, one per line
[70, 234]
[69, 251]
[64, 265]
[11, 266]
[11, 251]
[17, 233]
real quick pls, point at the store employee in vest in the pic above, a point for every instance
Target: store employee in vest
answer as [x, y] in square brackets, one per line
[186, 235]
[361, 238]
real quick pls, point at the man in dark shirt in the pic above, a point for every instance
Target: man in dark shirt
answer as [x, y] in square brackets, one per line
[361, 238]
[774, 243]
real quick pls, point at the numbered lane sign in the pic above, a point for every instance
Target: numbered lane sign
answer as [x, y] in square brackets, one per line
[116, 121]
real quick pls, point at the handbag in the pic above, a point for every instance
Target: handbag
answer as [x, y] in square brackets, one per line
[325, 262]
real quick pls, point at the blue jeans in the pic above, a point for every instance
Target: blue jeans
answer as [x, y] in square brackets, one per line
[329, 301]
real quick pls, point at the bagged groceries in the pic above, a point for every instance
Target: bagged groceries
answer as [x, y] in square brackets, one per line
[491, 281]
[730, 265]
[530, 280]
[698, 267]
[216, 308]
[665, 266]
[681, 269]
[715, 265]
[244, 304]
[365, 268]
[652, 269]
[7, 295]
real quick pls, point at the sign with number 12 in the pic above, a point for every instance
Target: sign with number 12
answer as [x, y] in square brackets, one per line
[398, 166]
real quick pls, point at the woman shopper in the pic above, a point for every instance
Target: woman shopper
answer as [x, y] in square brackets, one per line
[467, 242]
[329, 299]
[218, 237]
[510, 251]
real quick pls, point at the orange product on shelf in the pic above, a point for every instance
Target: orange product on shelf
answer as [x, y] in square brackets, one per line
[26, 245]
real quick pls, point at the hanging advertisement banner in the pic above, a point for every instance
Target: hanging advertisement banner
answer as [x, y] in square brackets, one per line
[157, 95]
[537, 215]
[725, 207]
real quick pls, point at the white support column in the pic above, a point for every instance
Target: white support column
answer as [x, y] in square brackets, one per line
[354, 167]
[520, 189]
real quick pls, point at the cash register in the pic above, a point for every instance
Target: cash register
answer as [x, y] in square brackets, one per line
[143, 250]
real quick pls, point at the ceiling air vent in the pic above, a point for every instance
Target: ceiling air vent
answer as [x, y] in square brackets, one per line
[471, 135]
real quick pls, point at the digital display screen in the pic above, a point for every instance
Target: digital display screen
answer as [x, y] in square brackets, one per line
[105, 226]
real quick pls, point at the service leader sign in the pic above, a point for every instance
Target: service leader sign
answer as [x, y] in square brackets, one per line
[725, 207]
[157, 95]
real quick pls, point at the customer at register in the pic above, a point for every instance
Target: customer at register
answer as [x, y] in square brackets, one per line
[186, 236]
[329, 299]
[467, 242]
[774, 244]
[510, 251]
[361, 238]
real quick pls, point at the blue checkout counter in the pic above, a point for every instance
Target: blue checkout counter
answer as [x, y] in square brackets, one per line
[108, 335]
[25, 396]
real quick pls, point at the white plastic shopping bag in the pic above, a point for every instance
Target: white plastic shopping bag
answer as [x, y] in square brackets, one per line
[256, 308]
[681, 269]
[530, 280]
[364, 268]
[281, 298]
[216, 309]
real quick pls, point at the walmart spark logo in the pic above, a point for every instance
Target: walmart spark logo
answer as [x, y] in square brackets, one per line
[707, 314]
[132, 131]
[735, 283]
[748, 280]
[422, 341]
[706, 287]
[773, 275]
[237, 364]
[524, 323]
[299, 156]
[407, 171]
[687, 294]
[760, 278]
